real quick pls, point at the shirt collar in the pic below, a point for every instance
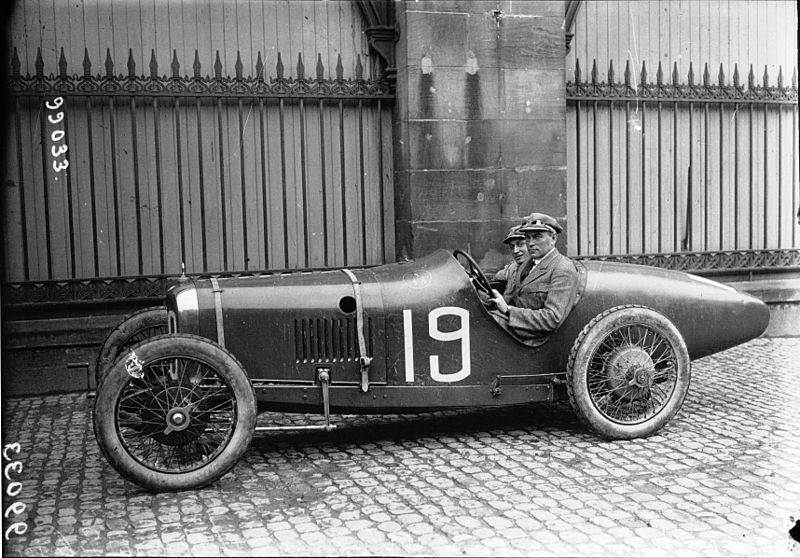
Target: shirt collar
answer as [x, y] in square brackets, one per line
[537, 262]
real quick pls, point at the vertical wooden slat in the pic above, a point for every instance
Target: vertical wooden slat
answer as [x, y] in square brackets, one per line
[303, 183]
[284, 216]
[15, 249]
[66, 175]
[675, 174]
[595, 186]
[21, 181]
[44, 142]
[264, 183]
[772, 170]
[578, 171]
[223, 206]
[323, 182]
[245, 255]
[363, 212]
[342, 182]
[795, 185]
[179, 170]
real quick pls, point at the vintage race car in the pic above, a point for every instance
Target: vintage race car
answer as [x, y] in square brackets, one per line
[177, 410]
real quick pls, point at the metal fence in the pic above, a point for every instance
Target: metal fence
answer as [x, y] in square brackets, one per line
[695, 166]
[134, 175]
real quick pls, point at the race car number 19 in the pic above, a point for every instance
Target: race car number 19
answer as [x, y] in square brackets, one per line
[460, 334]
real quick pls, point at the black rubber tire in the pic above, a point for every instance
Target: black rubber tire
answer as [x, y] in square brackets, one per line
[117, 385]
[589, 406]
[140, 325]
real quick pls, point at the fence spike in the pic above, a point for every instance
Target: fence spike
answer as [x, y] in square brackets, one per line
[218, 67]
[359, 69]
[675, 77]
[659, 74]
[39, 63]
[109, 64]
[238, 66]
[736, 76]
[259, 68]
[196, 67]
[577, 71]
[131, 64]
[691, 75]
[611, 72]
[339, 68]
[751, 79]
[176, 67]
[153, 64]
[279, 67]
[62, 65]
[780, 77]
[594, 71]
[766, 77]
[320, 68]
[87, 64]
[15, 64]
[628, 73]
[301, 69]
[643, 76]
[721, 76]
[706, 76]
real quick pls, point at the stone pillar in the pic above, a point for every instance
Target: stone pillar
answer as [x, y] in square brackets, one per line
[480, 123]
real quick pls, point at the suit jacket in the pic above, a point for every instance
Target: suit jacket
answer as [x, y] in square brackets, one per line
[511, 275]
[542, 300]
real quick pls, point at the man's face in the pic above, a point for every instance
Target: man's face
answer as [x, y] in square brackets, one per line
[519, 250]
[540, 243]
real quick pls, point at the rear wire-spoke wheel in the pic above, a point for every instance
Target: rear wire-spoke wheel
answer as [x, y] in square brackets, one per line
[184, 423]
[134, 329]
[628, 372]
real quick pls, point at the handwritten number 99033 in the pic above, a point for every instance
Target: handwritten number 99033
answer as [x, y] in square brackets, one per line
[57, 135]
[12, 490]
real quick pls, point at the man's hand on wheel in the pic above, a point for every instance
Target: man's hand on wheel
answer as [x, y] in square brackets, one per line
[500, 302]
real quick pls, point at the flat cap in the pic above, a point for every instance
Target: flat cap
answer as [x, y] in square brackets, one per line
[540, 222]
[514, 234]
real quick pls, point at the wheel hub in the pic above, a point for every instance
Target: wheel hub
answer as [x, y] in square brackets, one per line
[630, 372]
[181, 423]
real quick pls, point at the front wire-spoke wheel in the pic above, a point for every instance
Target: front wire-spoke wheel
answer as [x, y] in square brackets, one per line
[182, 424]
[628, 372]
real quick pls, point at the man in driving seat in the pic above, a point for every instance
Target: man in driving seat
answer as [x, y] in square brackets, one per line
[547, 289]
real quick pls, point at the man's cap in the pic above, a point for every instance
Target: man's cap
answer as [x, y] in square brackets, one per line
[540, 222]
[514, 234]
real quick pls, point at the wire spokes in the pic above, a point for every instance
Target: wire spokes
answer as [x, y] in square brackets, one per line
[632, 374]
[179, 416]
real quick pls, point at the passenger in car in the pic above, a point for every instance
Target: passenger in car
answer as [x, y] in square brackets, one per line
[519, 251]
[547, 288]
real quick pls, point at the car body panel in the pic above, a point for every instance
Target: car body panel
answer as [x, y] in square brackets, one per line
[433, 343]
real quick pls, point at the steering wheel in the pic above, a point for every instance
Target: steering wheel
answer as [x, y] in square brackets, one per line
[475, 273]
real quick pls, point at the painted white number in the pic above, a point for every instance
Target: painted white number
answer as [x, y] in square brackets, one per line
[59, 117]
[462, 334]
[57, 102]
[58, 151]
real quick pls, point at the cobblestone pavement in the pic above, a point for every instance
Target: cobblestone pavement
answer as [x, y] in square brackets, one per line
[723, 478]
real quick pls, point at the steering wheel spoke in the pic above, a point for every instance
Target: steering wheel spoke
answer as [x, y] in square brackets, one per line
[478, 278]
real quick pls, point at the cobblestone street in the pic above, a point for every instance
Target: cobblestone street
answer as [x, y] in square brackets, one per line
[723, 478]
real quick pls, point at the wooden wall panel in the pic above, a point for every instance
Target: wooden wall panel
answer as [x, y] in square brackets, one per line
[290, 27]
[723, 171]
[758, 32]
[217, 185]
